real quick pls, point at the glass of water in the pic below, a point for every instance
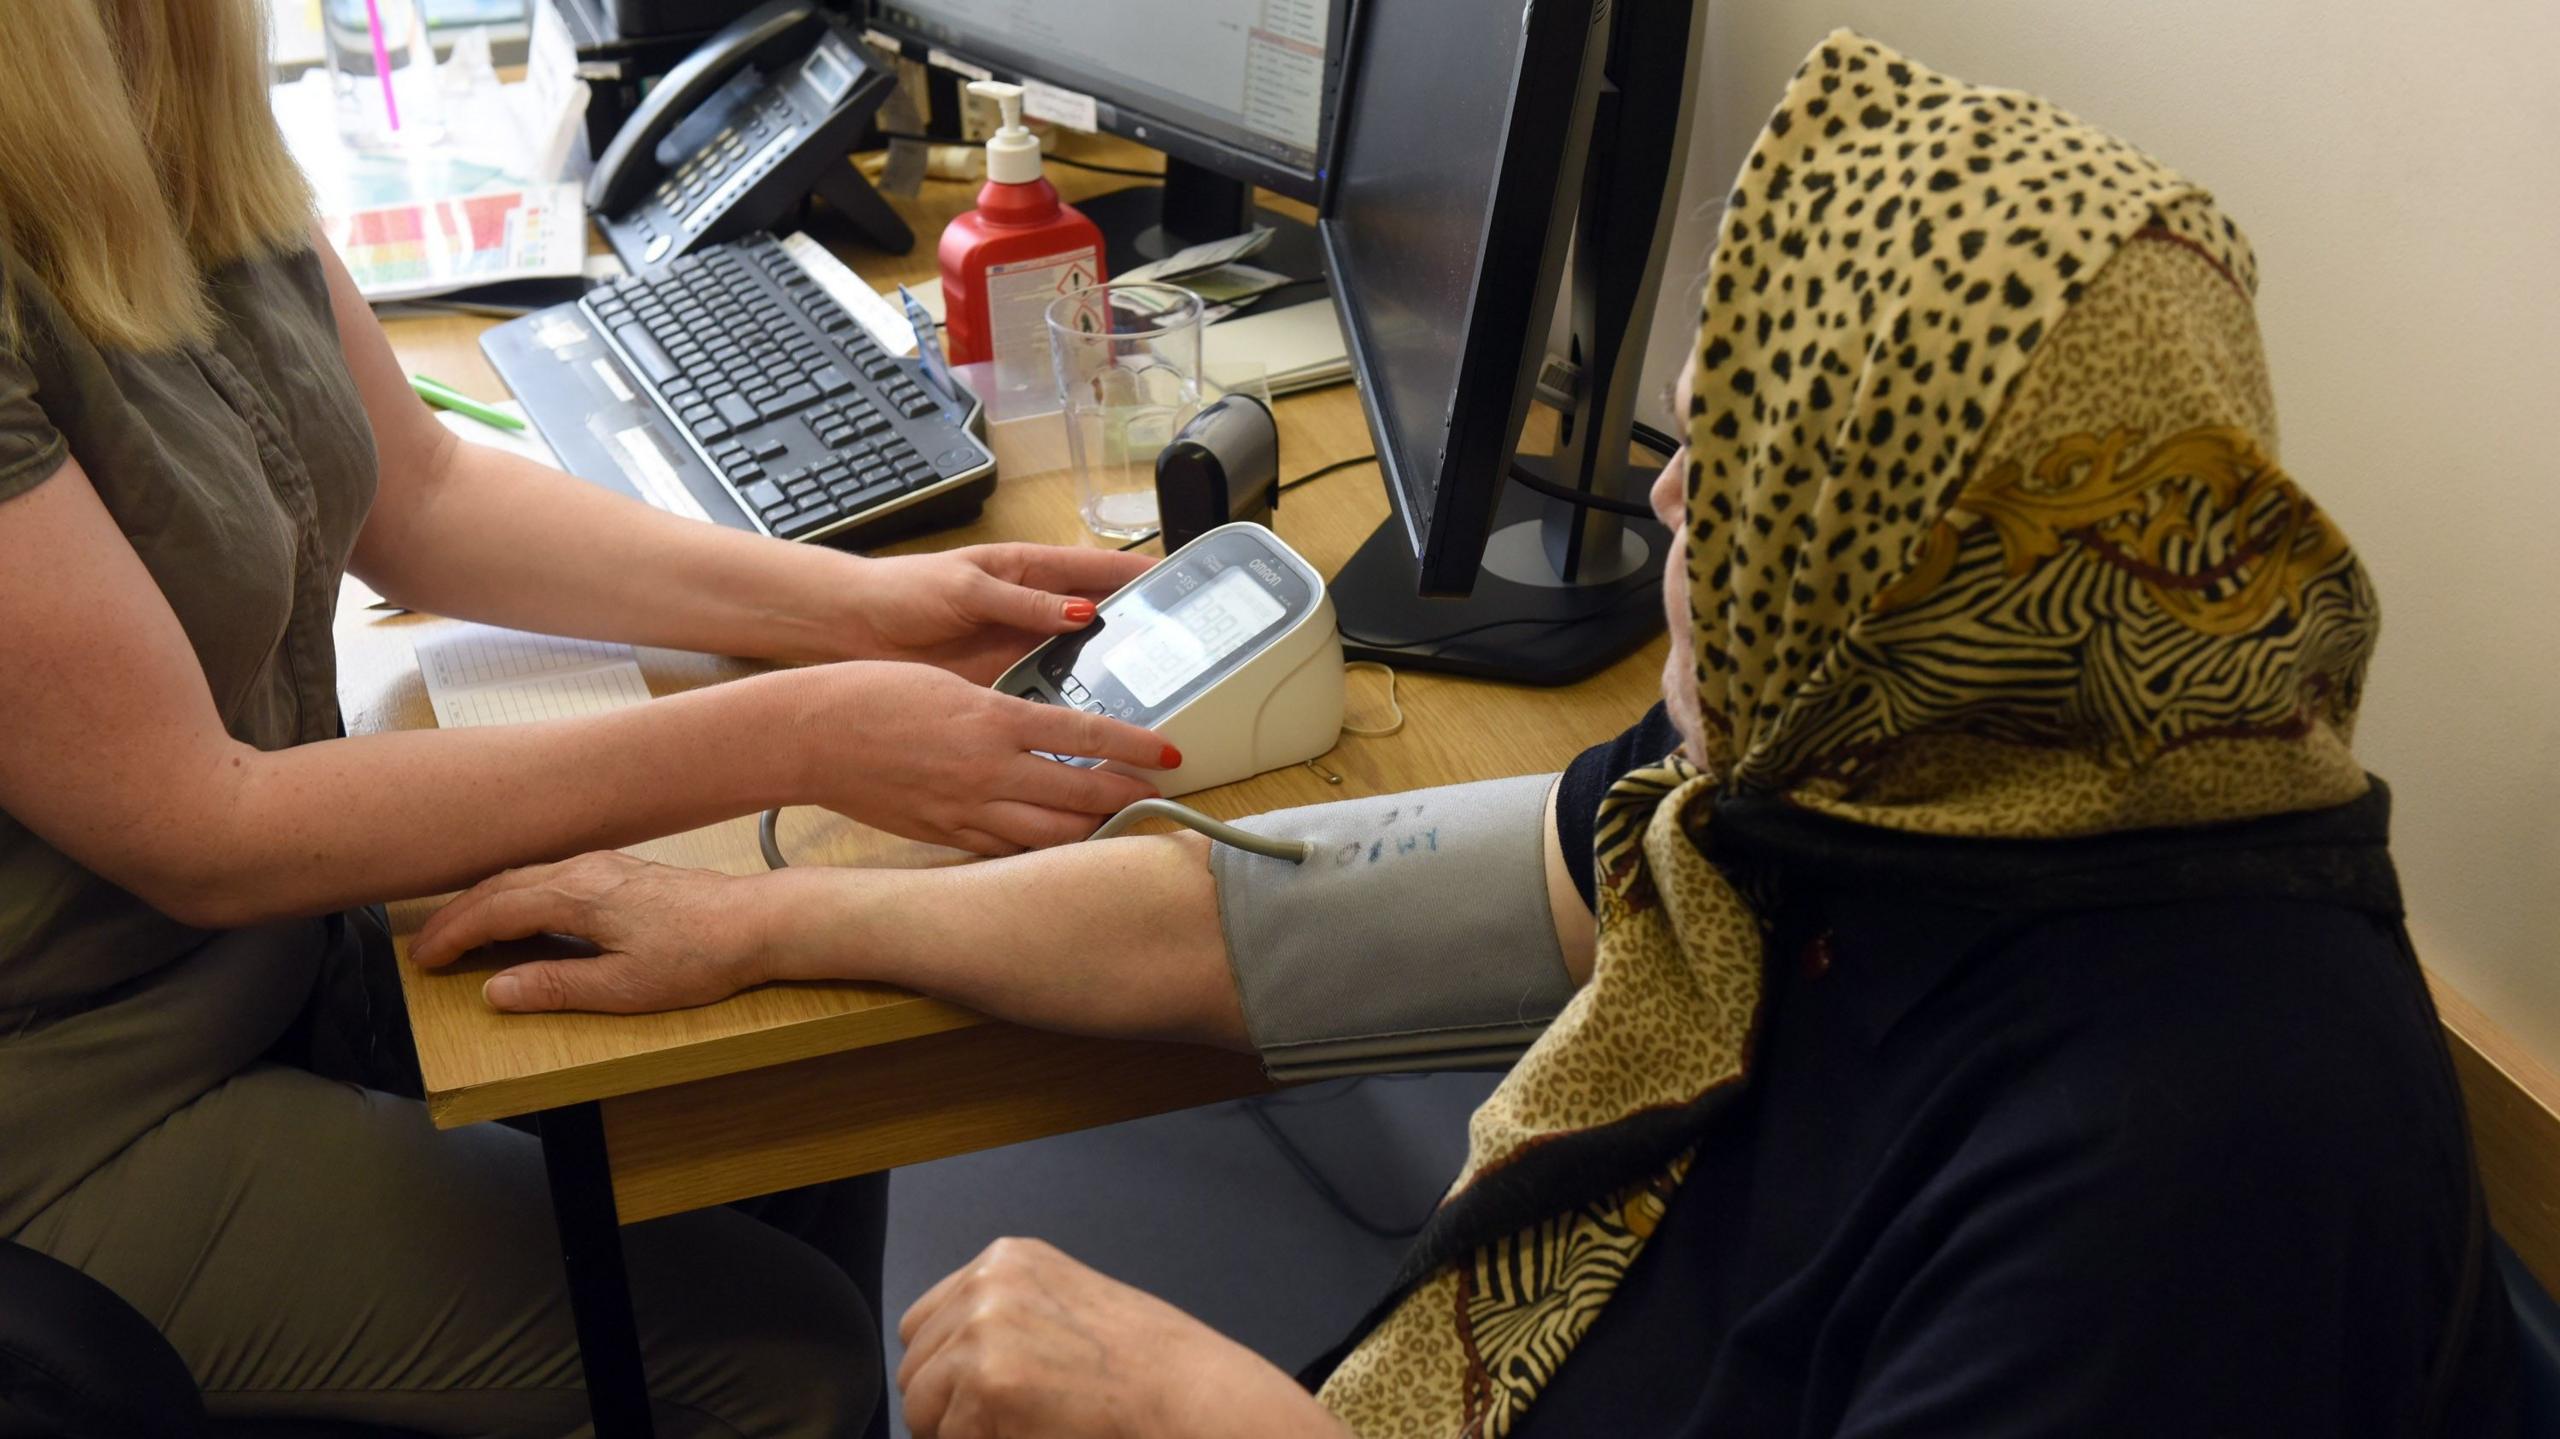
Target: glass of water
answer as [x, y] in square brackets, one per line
[383, 71]
[1128, 364]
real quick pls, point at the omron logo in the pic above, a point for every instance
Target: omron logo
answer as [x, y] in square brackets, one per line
[1270, 576]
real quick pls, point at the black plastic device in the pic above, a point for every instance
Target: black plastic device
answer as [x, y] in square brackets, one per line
[1215, 607]
[1467, 162]
[1222, 467]
[735, 388]
[642, 19]
[736, 137]
[1215, 154]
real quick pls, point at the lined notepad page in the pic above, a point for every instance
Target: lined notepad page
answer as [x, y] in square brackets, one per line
[479, 674]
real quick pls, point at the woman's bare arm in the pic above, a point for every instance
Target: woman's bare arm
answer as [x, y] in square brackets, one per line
[1120, 937]
[116, 754]
[477, 533]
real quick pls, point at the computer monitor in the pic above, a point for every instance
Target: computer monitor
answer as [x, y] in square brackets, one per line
[1474, 170]
[1233, 92]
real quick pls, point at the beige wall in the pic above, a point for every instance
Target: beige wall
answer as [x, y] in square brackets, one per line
[2398, 167]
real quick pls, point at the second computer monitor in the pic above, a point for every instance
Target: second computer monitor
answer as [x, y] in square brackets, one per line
[1234, 92]
[1479, 172]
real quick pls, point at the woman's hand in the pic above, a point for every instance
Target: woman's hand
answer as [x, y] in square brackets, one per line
[931, 756]
[1025, 1341]
[665, 938]
[974, 611]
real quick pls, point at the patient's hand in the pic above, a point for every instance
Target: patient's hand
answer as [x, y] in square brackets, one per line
[1024, 1341]
[667, 938]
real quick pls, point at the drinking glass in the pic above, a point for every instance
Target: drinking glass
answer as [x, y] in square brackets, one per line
[1128, 364]
[383, 72]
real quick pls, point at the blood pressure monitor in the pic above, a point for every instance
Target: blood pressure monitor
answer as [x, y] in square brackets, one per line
[1227, 649]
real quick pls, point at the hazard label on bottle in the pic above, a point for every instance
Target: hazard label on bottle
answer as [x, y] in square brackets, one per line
[1018, 297]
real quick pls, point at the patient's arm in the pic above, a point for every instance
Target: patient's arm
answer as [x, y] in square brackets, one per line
[1119, 937]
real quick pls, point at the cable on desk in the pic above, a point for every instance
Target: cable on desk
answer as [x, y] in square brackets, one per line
[1394, 706]
[1646, 593]
[1582, 498]
[1658, 441]
[765, 841]
[1318, 473]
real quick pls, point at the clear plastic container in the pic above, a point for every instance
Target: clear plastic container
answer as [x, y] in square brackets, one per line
[1128, 366]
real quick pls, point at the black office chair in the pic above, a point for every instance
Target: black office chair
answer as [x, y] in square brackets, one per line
[77, 1362]
[2537, 1343]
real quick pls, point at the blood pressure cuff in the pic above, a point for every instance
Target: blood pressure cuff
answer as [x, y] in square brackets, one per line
[1416, 936]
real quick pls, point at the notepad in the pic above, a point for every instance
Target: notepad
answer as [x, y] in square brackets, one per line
[480, 674]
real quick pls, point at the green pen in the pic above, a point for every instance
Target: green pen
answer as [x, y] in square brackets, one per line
[445, 397]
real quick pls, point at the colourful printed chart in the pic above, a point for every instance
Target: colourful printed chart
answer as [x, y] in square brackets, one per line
[436, 246]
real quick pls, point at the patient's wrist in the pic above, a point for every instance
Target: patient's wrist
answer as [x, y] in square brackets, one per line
[804, 924]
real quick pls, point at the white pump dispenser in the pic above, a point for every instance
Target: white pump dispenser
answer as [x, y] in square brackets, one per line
[1013, 152]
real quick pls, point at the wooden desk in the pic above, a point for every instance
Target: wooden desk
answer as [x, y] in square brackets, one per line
[794, 1084]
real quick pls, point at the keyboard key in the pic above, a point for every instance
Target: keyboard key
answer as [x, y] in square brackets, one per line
[735, 409]
[786, 402]
[644, 352]
[830, 380]
[767, 446]
[810, 518]
[869, 495]
[708, 428]
[763, 494]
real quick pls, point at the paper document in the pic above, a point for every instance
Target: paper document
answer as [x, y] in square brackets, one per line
[1208, 255]
[434, 247]
[485, 205]
[868, 306]
[480, 674]
[526, 442]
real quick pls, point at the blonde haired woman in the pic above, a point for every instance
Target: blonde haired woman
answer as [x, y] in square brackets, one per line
[201, 427]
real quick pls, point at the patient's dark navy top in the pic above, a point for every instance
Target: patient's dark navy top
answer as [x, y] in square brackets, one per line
[2194, 1166]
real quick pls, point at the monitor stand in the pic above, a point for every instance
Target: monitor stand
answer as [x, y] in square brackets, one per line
[1145, 223]
[1523, 623]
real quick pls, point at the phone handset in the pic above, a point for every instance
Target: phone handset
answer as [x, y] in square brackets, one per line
[629, 165]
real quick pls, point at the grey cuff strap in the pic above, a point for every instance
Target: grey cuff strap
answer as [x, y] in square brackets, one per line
[1417, 936]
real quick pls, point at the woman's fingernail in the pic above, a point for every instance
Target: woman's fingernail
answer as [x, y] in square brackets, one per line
[1079, 611]
[500, 991]
[1170, 759]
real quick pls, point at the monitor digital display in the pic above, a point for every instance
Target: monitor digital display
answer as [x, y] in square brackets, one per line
[1245, 74]
[1163, 652]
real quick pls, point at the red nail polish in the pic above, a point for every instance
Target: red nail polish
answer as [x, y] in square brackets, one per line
[1079, 611]
[1170, 759]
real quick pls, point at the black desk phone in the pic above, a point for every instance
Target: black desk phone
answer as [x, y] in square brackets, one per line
[736, 136]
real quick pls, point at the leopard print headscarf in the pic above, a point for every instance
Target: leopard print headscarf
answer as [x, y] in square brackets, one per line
[1986, 537]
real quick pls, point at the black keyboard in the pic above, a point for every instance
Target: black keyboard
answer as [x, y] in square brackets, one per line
[807, 420]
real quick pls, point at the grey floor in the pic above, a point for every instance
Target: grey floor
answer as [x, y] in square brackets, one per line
[1201, 1208]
